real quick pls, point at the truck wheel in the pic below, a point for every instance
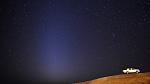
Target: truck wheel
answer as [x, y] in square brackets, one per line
[127, 72]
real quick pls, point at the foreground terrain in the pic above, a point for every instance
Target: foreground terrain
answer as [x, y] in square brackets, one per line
[141, 78]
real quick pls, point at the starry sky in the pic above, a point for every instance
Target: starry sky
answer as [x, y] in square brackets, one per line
[73, 40]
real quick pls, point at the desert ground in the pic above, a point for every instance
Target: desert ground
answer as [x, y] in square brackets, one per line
[141, 78]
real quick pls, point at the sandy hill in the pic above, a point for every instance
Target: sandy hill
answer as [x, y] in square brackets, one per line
[141, 78]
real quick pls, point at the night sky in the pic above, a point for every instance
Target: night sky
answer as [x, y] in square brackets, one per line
[72, 40]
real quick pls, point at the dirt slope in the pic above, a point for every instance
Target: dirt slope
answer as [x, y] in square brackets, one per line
[141, 78]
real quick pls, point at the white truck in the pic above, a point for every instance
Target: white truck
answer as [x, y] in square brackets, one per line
[131, 70]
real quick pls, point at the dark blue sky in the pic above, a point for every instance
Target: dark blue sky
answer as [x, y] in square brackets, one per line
[73, 40]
